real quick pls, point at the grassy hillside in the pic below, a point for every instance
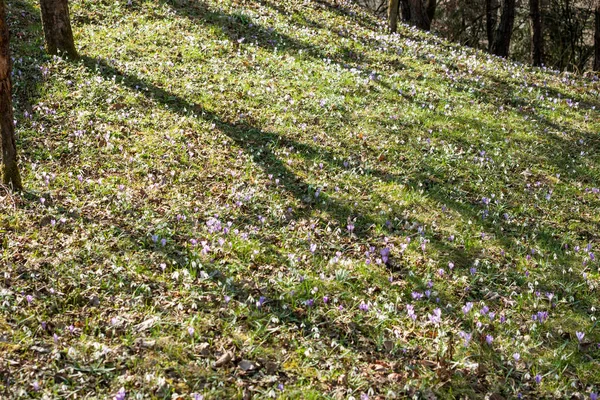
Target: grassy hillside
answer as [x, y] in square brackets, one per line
[276, 199]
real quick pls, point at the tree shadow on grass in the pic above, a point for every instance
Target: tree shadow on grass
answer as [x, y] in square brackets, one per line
[26, 44]
[240, 27]
[254, 140]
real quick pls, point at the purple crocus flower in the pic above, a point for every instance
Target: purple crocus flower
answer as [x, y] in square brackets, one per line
[261, 301]
[538, 379]
[416, 295]
[410, 310]
[467, 307]
[436, 317]
[385, 253]
[489, 339]
[120, 394]
[580, 336]
[466, 337]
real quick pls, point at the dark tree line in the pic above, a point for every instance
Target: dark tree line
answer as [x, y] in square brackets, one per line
[59, 40]
[562, 34]
[419, 13]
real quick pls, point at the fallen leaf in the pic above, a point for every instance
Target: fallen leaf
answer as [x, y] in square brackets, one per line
[246, 365]
[204, 349]
[224, 359]
[147, 324]
[388, 345]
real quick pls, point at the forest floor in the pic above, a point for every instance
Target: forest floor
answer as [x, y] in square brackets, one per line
[277, 199]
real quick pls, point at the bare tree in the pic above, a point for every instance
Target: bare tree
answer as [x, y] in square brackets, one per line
[597, 36]
[537, 36]
[8, 169]
[405, 9]
[421, 14]
[393, 8]
[57, 27]
[500, 44]
[491, 20]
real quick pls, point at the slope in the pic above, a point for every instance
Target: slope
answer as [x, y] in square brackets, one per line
[265, 198]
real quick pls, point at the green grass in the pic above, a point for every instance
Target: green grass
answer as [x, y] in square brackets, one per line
[250, 135]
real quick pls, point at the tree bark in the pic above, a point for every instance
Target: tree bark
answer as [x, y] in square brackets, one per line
[57, 27]
[491, 20]
[9, 171]
[418, 15]
[430, 9]
[597, 37]
[405, 8]
[503, 34]
[393, 8]
[537, 38]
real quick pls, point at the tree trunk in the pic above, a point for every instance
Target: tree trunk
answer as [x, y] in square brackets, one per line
[430, 9]
[405, 8]
[502, 36]
[393, 8]
[597, 37]
[537, 38]
[491, 20]
[418, 15]
[57, 27]
[8, 169]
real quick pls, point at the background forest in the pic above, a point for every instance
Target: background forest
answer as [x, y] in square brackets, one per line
[567, 28]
